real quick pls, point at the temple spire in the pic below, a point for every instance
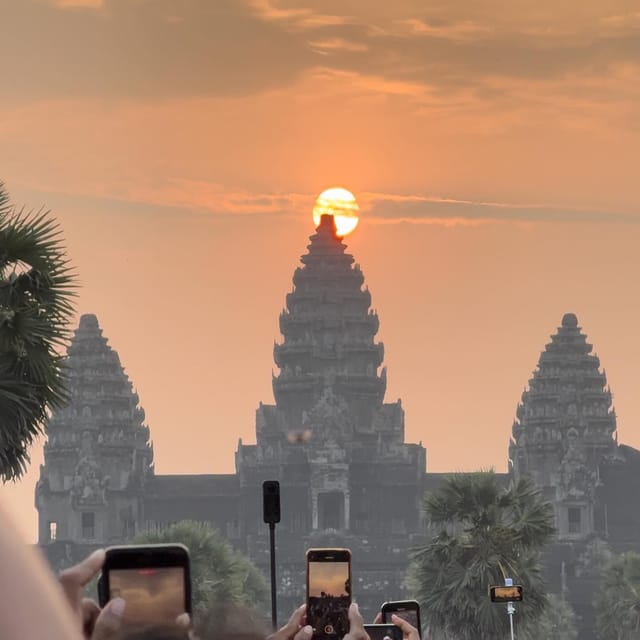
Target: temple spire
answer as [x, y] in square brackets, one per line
[565, 426]
[98, 455]
[328, 332]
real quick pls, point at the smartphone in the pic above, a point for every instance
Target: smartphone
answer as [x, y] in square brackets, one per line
[408, 610]
[506, 594]
[383, 631]
[328, 592]
[154, 581]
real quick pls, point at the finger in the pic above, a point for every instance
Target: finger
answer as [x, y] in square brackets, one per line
[356, 624]
[295, 621]
[81, 574]
[109, 621]
[355, 617]
[407, 628]
[72, 580]
[90, 612]
[292, 626]
[184, 620]
[378, 618]
[305, 633]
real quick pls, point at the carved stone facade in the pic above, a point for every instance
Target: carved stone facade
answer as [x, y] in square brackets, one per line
[347, 477]
[338, 450]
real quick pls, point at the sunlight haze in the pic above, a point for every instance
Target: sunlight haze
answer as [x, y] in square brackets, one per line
[493, 152]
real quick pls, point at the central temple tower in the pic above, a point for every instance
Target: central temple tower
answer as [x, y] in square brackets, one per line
[329, 333]
[347, 477]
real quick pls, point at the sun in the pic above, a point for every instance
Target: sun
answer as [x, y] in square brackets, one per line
[342, 205]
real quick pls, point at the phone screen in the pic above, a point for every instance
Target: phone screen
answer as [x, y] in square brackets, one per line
[152, 594]
[329, 595]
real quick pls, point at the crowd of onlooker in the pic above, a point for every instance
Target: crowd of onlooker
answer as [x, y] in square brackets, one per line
[36, 605]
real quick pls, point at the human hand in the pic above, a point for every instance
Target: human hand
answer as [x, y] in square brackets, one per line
[96, 624]
[409, 632]
[356, 624]
[295, 629]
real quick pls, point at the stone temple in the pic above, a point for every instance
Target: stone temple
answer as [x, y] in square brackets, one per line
[325, 439]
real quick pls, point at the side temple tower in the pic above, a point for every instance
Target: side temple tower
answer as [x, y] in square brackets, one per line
[565, 439]
[565, 428]
[97, 457]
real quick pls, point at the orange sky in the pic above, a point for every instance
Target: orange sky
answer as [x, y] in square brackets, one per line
[493, 150]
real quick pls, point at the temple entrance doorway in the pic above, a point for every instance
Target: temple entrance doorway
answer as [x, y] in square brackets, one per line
[331, 510]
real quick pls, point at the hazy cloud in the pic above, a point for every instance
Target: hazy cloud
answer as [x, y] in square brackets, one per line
[146, 48]
[77, 4]
[453, 31]
[376, 208]
[162, 48]
[433, 210]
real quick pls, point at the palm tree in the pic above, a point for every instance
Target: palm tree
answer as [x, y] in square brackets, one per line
[617, 602]
[218, 572]
[37, 287]
[482, 533]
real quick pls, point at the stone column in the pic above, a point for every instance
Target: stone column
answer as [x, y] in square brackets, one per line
[346, 511]
[314, 510]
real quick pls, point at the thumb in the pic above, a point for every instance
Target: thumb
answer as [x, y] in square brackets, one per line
[109, 621]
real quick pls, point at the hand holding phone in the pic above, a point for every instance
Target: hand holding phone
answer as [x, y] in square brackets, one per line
[328, 592]
[408, 610]
[153, 580]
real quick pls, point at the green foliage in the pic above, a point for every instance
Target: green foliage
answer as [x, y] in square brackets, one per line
[219, 573]
[37, 287]
[617, 602]
[557, 623]
[481, 533]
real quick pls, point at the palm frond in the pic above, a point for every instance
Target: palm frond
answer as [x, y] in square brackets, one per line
[37, 293]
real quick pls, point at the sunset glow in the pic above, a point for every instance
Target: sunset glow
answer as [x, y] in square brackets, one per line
[342, 205]
[492, 149]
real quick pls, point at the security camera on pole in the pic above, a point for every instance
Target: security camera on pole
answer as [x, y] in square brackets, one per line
[510, 593]
[271, 516]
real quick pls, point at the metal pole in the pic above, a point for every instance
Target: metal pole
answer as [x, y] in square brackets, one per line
[510, 611]
[272, 555]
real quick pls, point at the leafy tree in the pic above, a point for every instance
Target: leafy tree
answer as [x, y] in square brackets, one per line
[37, 287]
[482, 533]
[219, 573]
[617, 602]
